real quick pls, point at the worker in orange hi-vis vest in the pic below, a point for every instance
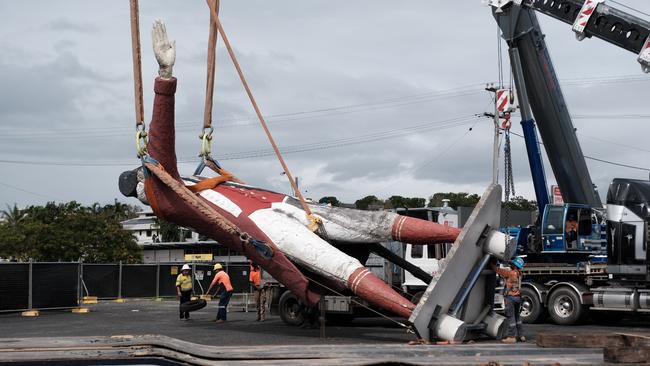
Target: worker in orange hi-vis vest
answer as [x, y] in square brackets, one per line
[221, 280]
[512, 289]
[260, 292]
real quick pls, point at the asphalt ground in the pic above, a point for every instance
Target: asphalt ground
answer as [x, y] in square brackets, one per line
[140, 317]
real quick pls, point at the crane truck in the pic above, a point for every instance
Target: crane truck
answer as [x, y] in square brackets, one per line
[604, 267]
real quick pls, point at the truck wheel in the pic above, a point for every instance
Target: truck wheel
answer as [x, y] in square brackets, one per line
[564, 307]
[416, 298]
[292, 312]
[192, 305]
[531, 308]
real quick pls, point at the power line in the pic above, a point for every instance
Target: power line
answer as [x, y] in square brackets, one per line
[597, 159]
[25, 191]
[101, 132]
[321, 145]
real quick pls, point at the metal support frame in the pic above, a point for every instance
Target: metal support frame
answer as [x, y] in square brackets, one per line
[462, 295]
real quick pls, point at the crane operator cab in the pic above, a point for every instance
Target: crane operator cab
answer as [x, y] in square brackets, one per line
[574, 228]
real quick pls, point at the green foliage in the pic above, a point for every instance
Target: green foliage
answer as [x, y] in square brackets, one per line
[461, 199]
[169, 232]
[367, 201]
[520, 203]
[68, 232]
[406, 202]
[330, 200]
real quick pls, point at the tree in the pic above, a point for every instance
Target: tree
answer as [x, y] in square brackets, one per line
[520, 203]
[330, 200]
[406, 202]
[13, 216]
[461, 199]
[366, 202]
[67, 232]
[169, 232]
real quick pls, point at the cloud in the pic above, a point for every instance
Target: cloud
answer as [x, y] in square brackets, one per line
[65, 25]
[361, 68]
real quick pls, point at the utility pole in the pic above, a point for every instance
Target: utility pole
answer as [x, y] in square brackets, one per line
[495, 148]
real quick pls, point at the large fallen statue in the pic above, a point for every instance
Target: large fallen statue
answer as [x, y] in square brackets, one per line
[272, 218]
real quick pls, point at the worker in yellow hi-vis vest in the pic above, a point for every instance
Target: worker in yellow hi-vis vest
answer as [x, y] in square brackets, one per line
[184, 289]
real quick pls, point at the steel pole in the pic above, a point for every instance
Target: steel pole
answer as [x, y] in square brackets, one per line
[31, 288]
[119, 281]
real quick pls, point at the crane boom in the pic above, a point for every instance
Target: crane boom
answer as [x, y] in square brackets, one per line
[603, 21]
[522, 32]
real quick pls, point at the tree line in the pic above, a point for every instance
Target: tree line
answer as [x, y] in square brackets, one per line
[456, 199]
[68, 232]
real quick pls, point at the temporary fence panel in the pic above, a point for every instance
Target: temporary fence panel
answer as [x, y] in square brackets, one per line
[203, 275]
[239, 274]
[139, 280]
[55, 285]
[101, 280]
[167, 279]
[14, 287]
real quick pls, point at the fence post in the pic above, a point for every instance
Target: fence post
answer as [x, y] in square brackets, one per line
[80, 272]
[119, 281]
[31, 287]
[158, 280]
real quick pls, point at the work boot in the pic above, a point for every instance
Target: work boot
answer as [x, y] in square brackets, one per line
[509, 340]
[522, 339]
[182, 316]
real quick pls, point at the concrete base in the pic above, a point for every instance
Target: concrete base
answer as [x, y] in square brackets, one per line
[30, 313]
[80, 310]
[89, 300]
[120, 300]
[205, 297]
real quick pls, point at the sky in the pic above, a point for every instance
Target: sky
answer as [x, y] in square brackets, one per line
[367, 97]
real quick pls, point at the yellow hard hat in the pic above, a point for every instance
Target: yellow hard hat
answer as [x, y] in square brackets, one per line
[218, 266]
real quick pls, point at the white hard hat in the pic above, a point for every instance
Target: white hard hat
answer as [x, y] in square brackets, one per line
[185, 266]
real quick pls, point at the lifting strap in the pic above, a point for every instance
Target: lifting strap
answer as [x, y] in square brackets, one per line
[206, 135]
[141, 133]
[314, 220]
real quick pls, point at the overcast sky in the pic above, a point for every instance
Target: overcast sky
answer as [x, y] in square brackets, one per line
[372, 97]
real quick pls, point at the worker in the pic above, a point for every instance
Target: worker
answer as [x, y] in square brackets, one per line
[260, 292]
[222, 280]
[512, 290]
[184, 289]
[571, 230]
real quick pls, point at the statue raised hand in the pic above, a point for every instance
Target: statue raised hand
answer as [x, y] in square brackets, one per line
[164, 50]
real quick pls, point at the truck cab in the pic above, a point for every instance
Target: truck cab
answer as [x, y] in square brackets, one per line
[574, 228]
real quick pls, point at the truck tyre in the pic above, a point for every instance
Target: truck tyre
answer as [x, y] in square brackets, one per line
[192, 305]
[531, 308]
[564, 307]
[292, 311]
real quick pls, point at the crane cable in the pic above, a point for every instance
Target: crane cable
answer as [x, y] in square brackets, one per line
[315, 222]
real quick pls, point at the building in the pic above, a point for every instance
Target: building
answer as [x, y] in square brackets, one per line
[192, 248]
